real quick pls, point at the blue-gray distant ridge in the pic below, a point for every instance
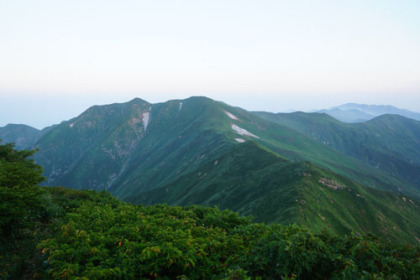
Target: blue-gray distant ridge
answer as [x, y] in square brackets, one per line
[355, 113]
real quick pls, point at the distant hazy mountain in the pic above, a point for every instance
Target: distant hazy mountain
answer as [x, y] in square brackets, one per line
[22, 135]
[304, 168]
[353, 113]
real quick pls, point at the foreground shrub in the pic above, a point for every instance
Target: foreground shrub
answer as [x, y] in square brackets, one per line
[123, 241]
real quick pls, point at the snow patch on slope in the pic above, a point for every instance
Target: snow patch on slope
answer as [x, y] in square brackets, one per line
[232, 116]
[242, 131]
[240, 140]
[146, 117]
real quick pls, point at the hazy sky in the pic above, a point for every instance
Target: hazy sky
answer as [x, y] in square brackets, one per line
[59, 57]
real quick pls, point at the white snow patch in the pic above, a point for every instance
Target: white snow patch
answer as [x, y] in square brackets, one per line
[240, 140]
[71, 125]
[232, 116]
[146, 117]
[242, 131]
[180, 106]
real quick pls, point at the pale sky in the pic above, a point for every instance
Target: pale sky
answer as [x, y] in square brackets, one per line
[57, 58]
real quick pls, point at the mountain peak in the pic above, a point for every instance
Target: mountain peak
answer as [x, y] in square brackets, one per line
[137, 100]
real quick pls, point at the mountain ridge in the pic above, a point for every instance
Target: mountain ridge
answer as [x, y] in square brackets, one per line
[389, 143]
[356, 113]
[137, 149]
[108, 135]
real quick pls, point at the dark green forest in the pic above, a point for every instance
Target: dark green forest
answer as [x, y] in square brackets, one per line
[61, 233]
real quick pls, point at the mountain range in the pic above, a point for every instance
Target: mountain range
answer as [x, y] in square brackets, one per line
[305, 168]
[356, 113]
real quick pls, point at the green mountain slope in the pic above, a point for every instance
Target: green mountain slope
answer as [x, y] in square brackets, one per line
[254, 181]
[136, 146]
[181, 136]
[247, 179]
[60, 233]
[202, 151]
[389, 143]
[133, 146]
[296, 146]
[90, 150]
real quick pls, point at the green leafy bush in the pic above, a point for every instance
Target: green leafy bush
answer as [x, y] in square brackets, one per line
[122, 241]
[132, 242]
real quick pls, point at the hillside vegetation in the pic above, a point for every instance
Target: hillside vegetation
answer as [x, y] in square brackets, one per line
[300, 173]
[255, 181]
[59, 233]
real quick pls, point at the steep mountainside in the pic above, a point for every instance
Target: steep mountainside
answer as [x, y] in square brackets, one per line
[389, 143]
[22, 135]
[253, 181]
[133, 146]
[88, 151]
[354, 113]
[136, 146]
[180, 136]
